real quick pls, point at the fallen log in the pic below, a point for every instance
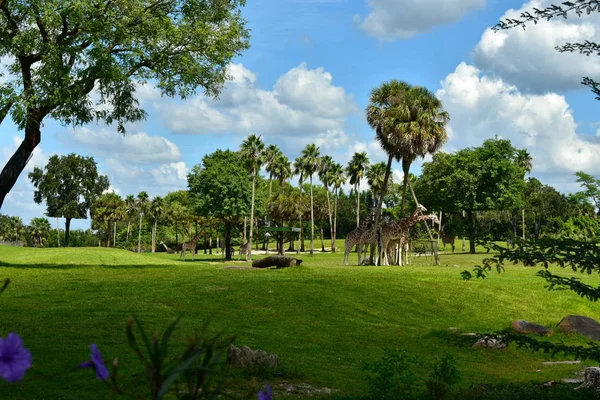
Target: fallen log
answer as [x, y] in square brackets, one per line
[276, 261]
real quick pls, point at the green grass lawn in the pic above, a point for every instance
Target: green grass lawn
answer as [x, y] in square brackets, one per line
[321, 318]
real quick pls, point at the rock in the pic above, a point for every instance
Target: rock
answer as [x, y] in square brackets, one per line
[551, 383]
[561, 362]
[453, 330]
[591, 379]
[489, 343]
[468, 334]
[245, 357]
[276, 261]
[523, 326]
[585, 326]
[571, 380]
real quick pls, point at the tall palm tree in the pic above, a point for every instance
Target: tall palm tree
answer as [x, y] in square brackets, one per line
[325, 175]
[299, 169]
[271, 156]
[252, 150]
[338, 178]
[356, 169]
[39, 229]
[408, 121]
[142, 204]
[375, 178]
[525, 161]
[155, 211]
[311, 154]
[130, 211]
[283, 169]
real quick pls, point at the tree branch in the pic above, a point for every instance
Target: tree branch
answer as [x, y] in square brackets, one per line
[587, 48]
[578, 6]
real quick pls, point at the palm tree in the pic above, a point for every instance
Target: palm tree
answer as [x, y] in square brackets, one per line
[39, 229]
[252, 150]
[337, 179]
[408, 121]
[356, 170]
[271, 156]
[525, 161]
[142, 204]
[311, 156]
[130, 211]
[325, 175]
[155, 211]
[299, 169]
[375, 178]
[283, 169]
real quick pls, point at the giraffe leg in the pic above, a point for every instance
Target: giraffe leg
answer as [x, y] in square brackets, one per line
[358, 250]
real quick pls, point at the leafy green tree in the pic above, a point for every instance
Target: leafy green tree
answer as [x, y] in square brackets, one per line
[375, 178]
[311, 155]
[69, 185]
[473, 179]
[591, 187]
[283, 169]
[271, 157]
[11, 229]
[221, 189]
[130, 212]
[60, 50]
[178, 209]
[39, 229]
[356, 169]
[252, 152]
[142, 208]
[545, 203]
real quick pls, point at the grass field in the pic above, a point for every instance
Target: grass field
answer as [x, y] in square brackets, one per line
[322, 319]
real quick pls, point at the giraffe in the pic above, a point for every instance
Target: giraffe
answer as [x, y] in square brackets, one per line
[190, 246]
[354, 239]
[402, 242]
[399, 230]
[446, 239]
[244, 249]
[168, 249]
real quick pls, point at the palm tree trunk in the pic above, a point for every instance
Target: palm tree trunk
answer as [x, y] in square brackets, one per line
[322, 241]
[115, 234]
[67, 231]
[139, 248]
[405, 169]
[357, 187]
[523, 219]
[128, 227]
[244, 232]
[249, 248]
[386, 177]
[471, 218]
[334, 221]
[107, 234]
[330, 218]
[154, 236]
[312, 220]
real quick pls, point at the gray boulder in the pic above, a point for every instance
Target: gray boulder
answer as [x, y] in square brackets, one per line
[526, 327]
[591, 379]
[584, 326]
[486, 342]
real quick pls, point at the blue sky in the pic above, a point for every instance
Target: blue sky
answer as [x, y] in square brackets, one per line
[307, 78]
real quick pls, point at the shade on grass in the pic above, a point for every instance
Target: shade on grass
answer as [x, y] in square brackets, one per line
[321, 318]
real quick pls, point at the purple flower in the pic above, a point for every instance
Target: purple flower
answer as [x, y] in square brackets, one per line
[266, 395]
[14, 358]
[96, 363]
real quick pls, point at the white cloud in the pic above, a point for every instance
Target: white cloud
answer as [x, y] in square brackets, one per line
[172, 174]
[133, 147]
[393, 19]
[529, 60]
[122, 172]
[481, 107]
[304, 106]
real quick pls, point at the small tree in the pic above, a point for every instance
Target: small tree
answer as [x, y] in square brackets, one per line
[39, 229]
[221, 189]
[69, 185]
[108, 208]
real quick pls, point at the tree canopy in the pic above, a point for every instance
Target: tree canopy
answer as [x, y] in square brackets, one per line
[473, 179]
[59, 51]
[221, 189]
[69, 185]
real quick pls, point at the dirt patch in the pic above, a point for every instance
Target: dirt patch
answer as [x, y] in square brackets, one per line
[300, 389]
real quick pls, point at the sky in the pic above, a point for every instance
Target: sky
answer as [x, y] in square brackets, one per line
[307, 77]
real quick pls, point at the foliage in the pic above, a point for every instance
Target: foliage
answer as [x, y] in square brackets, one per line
[11, 228]
[391, 377]
[591, 186]
[38, 231]
[556, 11]
[61, 50]
[443, 376]
[68, 185]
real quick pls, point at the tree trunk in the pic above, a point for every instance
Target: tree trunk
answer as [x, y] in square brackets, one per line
[228, 241]
[386, 177]
[107, 234]
[276, 261]
[154, 236]
[129, 226]
[405, 169]
[357, 187]
[322, 241]
[244, 240]
[335, 201]
[67, 231]
[139, 248]
[210, 244]
[312, 219]
[330, 218]
[472, 222]
[256, 244]
[176, 237]
[523, 221]
[15, 165]
[115, 234]
[249, 247]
